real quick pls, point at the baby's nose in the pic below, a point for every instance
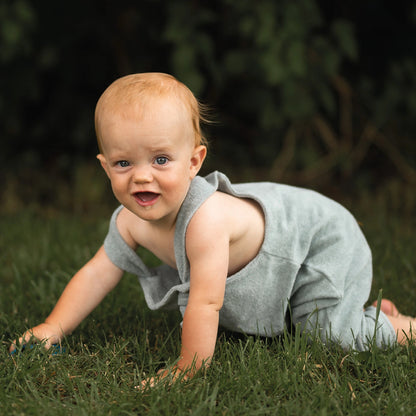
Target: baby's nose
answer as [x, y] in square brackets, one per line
[142, 174]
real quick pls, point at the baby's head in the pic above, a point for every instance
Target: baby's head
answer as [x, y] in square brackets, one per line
[137, 96]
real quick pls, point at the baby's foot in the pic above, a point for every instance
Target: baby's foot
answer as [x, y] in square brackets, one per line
[388, 307]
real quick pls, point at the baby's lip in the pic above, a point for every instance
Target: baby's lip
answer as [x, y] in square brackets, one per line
[146, 198]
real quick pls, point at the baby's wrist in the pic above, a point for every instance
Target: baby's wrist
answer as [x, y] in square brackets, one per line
[55, 328]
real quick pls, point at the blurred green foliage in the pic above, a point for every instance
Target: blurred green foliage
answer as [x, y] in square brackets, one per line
[305, 92]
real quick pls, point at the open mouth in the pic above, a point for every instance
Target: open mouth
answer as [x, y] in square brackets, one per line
[146, 198]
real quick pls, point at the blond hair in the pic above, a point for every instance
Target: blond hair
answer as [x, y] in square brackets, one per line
[137, 91]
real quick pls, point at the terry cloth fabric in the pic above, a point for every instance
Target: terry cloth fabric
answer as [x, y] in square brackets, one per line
[314, 267]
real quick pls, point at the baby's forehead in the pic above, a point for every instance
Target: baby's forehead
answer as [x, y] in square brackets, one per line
[139, 105]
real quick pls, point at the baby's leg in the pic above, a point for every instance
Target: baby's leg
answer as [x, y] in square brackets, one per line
[388, 307]
[404, 326]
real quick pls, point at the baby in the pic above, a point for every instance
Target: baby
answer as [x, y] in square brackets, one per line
[252, 257]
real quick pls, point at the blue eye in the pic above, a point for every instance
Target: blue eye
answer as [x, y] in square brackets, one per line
[161, 160]
[123, 163]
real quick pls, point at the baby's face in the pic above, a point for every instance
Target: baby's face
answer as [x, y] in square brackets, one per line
[150, 159]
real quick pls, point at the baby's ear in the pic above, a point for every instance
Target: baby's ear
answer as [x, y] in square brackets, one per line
[197, 159]
[103, 162]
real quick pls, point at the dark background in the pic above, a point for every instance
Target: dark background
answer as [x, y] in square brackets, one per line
[313, 93]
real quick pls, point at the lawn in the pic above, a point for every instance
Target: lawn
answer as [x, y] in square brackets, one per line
[122, 341]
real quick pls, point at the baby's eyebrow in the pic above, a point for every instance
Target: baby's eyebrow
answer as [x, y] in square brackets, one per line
[117, 156]
[162, 149]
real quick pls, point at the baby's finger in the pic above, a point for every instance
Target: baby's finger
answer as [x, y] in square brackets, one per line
[20, 342]
[12, 347]
[150, 382]
[27, 338]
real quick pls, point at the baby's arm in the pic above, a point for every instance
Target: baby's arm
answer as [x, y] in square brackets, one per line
[207, 248]
[82, 294]
[208, 254]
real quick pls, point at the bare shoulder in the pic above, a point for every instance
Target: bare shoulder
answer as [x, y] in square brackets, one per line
[137, 232]
[227, 212]
[211, 216]
[226, 219]
[207, 243]
[128, 225]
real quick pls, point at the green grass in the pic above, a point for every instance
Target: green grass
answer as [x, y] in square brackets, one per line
[122, 341]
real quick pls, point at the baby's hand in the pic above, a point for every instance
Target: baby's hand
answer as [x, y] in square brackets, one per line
[168, 376]
[46, 333]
